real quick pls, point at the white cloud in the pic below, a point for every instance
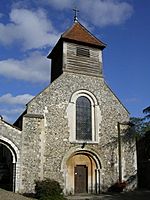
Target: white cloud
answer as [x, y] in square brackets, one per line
[32, 28]
[19, 99]
[109, 12]
[34, 68]
[60, 4]
[98, 12]
[1, 15]
[7, 118]
[12, 111]
[132, 100]
[13, 106]
[11, 114]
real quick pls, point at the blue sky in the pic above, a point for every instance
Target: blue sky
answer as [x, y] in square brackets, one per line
[29, 29]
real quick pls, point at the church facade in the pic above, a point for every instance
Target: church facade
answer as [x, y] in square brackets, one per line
[69, 131]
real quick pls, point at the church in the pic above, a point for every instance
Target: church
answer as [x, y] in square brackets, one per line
[75, 131]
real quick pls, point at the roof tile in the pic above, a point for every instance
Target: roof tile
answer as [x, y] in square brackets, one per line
[79, 33]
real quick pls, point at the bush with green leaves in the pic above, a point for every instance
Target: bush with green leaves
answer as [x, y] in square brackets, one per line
[48, 190]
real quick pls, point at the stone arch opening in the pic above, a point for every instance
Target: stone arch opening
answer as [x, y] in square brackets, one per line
[8, 160]
[82, 173]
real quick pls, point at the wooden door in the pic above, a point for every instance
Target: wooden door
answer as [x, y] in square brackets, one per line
[81, 179]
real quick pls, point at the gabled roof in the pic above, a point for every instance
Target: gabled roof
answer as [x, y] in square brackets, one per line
[78, 33]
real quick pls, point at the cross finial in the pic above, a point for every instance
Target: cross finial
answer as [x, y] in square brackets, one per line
[75, 14]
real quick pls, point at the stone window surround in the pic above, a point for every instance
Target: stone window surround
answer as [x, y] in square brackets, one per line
[96, 116]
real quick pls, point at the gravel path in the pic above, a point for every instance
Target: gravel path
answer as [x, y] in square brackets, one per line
[6, 195]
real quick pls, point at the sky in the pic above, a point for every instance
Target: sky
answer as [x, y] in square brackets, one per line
[29, 29]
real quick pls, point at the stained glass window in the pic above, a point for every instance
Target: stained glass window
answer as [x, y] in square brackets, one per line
[83, 119]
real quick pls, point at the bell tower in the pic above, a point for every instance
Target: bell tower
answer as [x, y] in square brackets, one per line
[77, 51]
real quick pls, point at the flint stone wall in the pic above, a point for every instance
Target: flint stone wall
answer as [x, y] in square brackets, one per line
[46, 140]
[11, 133]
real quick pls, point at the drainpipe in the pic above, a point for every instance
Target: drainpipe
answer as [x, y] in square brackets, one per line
[119, 146]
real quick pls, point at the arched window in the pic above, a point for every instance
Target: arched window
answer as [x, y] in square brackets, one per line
[83, 119]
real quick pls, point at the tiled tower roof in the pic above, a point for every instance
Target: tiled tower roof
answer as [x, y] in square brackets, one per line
[78, 33]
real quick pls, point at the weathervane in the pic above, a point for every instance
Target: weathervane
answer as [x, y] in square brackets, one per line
[75, 14]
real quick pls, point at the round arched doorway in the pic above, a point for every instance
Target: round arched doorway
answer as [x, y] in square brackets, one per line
[83, 173]
[6, 168]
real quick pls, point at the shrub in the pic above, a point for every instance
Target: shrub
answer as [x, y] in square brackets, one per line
[48, 190]
[118, 187]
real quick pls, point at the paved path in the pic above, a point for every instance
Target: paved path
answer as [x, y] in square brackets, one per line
[136, 195]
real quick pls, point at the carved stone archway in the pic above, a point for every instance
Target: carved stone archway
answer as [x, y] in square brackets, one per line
[87, 161]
